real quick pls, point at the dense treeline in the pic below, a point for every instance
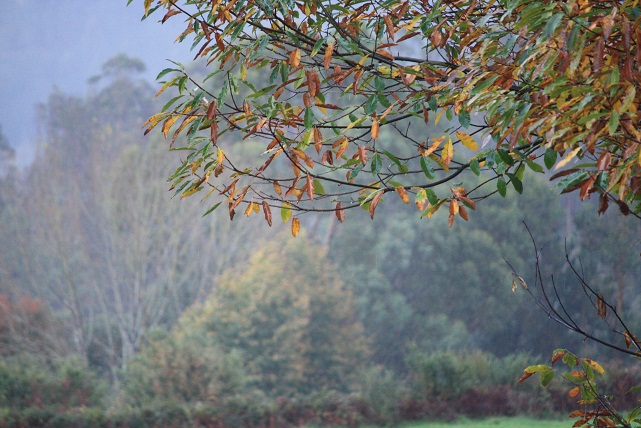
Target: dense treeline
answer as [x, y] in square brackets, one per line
[119, 306]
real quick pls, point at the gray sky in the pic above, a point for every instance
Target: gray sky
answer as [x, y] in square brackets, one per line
[62, 43]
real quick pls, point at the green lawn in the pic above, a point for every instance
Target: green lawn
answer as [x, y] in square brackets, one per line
[493, 423]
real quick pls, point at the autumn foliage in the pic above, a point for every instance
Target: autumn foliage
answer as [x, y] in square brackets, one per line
[356, 101]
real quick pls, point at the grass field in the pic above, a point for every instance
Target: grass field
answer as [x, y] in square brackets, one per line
[493, 423]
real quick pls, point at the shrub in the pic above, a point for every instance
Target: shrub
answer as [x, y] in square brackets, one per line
[27, 382]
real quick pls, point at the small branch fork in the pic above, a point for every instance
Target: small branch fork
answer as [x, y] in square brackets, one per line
[553, 306]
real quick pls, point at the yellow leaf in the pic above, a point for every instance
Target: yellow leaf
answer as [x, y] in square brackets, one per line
[567, 158]
[295, 226]
[596, 366]
[220, 155]
[438, 116]
[448, 152]
[250, 209]
[467, 140]
[168, 123]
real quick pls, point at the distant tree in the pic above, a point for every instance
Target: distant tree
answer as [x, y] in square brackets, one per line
[7, 158]
[290, 318]
[95, 235]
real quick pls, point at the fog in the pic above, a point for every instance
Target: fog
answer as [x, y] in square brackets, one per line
[123, 306]
[48, 43]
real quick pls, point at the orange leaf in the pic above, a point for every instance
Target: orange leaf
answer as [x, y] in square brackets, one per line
[403, 194]
[454, 207]
[525, 376]
[375, 129]
[328, 55]
[574, 392]
[294, 58]
[295, 226]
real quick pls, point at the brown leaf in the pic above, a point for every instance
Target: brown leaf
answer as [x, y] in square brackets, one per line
[295, 226]
[362, 154]
[213, 132]
[340, 212]
[268, 213]
[389, 26]
[450, 220]
[219, 42]
[374, 203]
[211, 110]
[463, 213]
[327, 158]
[318, 140]
[563, 173]
[601, 307]
[310, 187]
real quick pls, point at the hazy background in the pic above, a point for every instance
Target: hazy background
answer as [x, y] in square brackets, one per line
[51, 43]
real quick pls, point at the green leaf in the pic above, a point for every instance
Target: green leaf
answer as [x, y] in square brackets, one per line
[505, 157]
[354, 172]
[318, 187]
[570, 360]
[376, 164]
[309, 118]
[501, 186]
[286, 212]
[166, 71]
[370, 105]
[427, 168]
[210, 210]
[319, 43]
[534, 166]
[448, 114]
[553, 24]
[431, 196]
[613, 123]
[546, 377]
[474, 166]
[483, 85]
[379, 83]
[516, 182]
[549, 158]
[464, 119]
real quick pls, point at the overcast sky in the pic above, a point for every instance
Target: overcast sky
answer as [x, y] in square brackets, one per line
[62, 43]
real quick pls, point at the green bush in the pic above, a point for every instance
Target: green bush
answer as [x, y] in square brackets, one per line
[446, 375]
[27, 382]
